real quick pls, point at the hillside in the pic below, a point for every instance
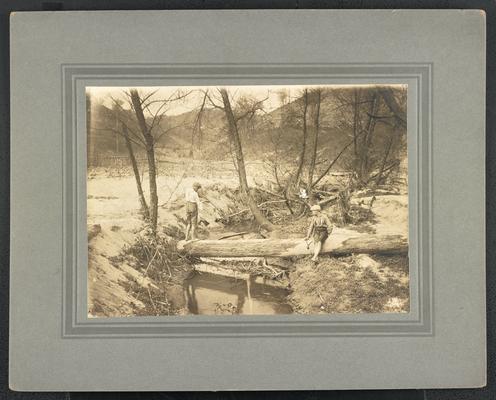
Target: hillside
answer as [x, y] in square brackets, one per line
[266, 135]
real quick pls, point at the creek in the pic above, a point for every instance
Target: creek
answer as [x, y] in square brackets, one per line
[213, 294]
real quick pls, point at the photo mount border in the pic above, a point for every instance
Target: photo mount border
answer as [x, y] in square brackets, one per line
[242, 326]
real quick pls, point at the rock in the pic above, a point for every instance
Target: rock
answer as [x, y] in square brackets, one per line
[364, 261]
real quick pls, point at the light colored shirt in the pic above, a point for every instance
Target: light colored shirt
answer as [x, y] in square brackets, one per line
[191, 195]
[319, 220]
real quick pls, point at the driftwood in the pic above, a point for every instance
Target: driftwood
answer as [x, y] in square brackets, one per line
[233, 272]
[337, 244]
[325, 202]
[233, 235]
[227, 217]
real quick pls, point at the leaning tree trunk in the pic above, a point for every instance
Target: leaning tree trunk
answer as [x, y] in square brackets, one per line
[144, 207]
[150, 155]
[243, 182]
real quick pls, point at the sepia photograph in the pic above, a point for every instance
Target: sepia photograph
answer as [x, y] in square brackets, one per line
[247, 200]
[266, 200]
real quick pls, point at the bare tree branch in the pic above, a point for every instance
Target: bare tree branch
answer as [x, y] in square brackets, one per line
[147, 97]
[336, 159]
[215, 105]
[253, 109]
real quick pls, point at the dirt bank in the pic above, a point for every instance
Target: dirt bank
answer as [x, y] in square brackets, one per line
[119, 285]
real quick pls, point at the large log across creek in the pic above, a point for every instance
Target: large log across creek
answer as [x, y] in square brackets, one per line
[337, 244]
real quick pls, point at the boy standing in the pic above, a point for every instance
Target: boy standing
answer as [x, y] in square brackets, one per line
[193, 205]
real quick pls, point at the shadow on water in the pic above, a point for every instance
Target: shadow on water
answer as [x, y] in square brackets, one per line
[209, 294]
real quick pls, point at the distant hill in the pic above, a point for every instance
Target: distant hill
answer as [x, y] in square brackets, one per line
[264, 136]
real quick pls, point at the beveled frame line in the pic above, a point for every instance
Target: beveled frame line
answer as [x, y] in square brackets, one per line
[77, 325]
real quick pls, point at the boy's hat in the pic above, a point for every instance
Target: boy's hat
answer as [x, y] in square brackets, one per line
[196, 185]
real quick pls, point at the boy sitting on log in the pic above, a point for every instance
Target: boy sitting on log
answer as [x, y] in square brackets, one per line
[320, 228]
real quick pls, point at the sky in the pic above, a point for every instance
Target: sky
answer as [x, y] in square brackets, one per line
[104, 95]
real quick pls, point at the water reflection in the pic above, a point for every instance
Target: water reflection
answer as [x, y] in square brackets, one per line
[210, 294]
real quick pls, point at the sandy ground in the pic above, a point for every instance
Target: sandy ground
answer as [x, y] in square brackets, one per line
[390, 214]
[113, 201]
[353, 284]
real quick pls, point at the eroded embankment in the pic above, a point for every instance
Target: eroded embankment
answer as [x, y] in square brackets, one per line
[123, 283]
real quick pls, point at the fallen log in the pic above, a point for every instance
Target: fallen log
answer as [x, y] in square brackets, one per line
[337, 244]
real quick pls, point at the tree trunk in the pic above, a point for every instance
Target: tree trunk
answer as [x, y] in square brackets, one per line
[152, 177]
[134, 164]
[356, 114]
[311, 167]
[150, 155]
[364, 166]
[385, 158]
[388, 96]
[304, 145]
[356, 130]
[285, 190]
[243, 182]
[338, 244]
